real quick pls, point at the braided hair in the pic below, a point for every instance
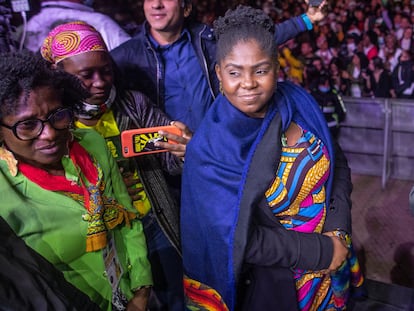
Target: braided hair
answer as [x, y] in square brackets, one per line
[242, 24]
[22, 72]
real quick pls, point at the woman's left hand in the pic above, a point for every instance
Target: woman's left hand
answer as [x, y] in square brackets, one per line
[176, 149]
[140, 300]
[340, 252]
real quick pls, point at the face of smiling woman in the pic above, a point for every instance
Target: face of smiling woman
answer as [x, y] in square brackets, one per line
[47, 150]
[248, 76]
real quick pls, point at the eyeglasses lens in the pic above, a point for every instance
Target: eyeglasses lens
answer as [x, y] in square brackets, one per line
[30, 129]
[61, 119]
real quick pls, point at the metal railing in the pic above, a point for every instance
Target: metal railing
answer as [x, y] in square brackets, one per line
[378, 137]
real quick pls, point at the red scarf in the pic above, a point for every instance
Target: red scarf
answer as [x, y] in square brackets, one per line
[103, 213]
[82, 161]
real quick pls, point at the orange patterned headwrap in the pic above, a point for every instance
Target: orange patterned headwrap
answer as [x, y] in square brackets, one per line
[71, 39]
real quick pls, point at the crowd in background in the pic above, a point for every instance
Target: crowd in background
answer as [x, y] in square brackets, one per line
[349, 51]
[73, 47]
[365, 47]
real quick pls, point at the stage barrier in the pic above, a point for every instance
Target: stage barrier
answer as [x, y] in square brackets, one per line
[377, 137]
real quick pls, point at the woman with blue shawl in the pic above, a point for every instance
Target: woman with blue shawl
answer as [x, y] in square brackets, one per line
[265, 215]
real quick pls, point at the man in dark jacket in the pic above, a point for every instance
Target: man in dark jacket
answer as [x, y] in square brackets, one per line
[331, 104]
[172, 59]
[403, 76]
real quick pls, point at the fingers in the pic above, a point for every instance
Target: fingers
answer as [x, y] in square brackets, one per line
[134, 196]
[320, 7]
[316, 13]
[131, 183]
[179, 148]
[186, 132]
[340, 253]
[130, 179]
[176, 149]
[170, 136]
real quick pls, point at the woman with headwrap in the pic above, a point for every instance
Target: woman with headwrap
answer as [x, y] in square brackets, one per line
[78, 48]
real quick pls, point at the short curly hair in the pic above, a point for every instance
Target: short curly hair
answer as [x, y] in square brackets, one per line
[22, 72]
[242, 24]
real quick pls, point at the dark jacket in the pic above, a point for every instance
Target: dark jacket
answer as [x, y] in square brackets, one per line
[133, 110]
[332, 107]
[142, 69]
[30, 282]
[383, 87]
[402, 78]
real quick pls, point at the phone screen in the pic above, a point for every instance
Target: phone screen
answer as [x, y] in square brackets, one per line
[145, 142]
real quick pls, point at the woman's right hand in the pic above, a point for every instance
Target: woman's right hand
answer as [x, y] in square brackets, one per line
[316, 13]
[131, 184]
[182, 140]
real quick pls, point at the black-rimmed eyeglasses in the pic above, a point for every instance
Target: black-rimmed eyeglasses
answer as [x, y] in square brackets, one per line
[29, 129]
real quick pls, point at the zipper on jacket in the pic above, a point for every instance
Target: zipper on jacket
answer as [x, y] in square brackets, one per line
[160, 100]
[205, 61]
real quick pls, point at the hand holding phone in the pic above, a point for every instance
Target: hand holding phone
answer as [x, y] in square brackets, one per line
[182, 140]
[142, 141]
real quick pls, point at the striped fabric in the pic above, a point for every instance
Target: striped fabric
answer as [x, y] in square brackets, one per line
[200, 297]
[297, 198]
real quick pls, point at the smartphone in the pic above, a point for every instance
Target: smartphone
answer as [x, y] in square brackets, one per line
[141, 141]
[315, 2]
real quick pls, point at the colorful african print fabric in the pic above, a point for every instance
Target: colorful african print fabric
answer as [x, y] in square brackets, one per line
[108, 128]
[201, 297]
[71, 39]
[297, 198]
[84, 183]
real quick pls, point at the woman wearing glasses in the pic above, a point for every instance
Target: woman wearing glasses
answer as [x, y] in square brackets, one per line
[62, 191]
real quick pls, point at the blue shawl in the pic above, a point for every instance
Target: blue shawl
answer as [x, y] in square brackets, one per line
[214, 228]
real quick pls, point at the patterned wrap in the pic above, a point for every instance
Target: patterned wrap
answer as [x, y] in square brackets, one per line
[202, 297]
[71, 39]
[297, 198]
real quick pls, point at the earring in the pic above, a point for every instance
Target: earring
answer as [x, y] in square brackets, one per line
[221, 88]
[71, 138]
